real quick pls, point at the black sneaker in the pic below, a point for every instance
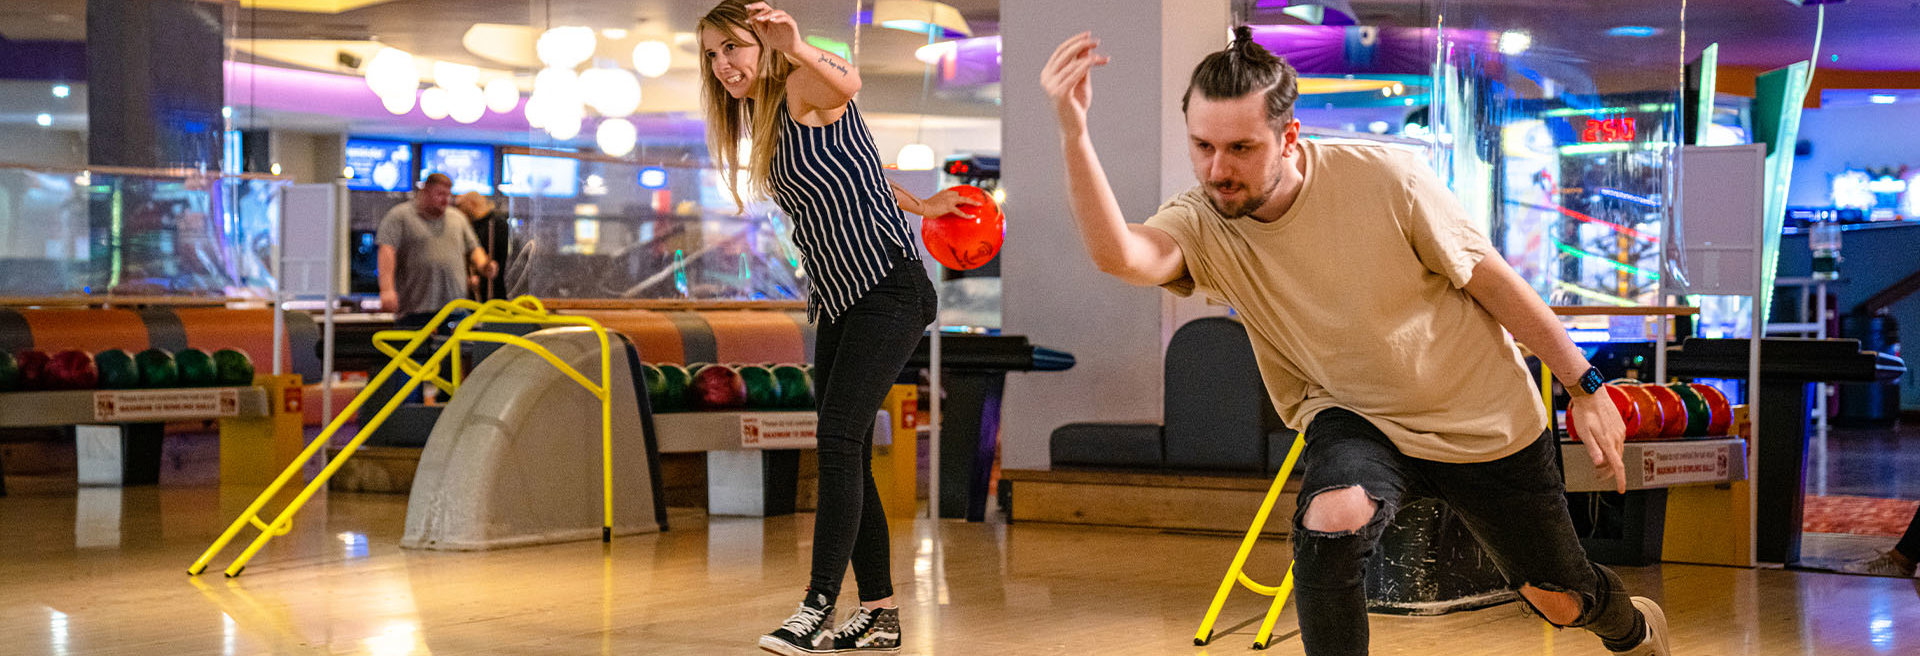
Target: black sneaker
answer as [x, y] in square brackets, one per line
[869, 630]
[803, 632]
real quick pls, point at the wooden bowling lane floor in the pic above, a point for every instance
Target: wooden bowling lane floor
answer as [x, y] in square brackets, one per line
[101, 571]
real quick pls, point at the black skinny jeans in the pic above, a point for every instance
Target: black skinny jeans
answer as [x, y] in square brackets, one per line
[857, 357]
[1515, 507]
[1909, 545]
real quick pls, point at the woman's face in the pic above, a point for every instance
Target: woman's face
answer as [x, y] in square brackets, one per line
[734, 65]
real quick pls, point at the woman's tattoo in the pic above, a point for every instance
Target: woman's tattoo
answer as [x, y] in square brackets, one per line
[824, 59]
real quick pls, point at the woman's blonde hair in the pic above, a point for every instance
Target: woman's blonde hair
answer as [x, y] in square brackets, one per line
[756, 116]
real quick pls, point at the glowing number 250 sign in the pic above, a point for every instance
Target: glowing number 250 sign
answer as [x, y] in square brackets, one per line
[1618, 128]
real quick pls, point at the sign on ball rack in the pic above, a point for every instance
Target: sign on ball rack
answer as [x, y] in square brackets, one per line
[777, 430]
[146, 405]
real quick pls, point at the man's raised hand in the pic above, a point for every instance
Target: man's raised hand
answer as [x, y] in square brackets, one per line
[1068, 79]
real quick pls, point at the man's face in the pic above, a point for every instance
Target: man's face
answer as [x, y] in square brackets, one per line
[432, 200]
[1236, 154]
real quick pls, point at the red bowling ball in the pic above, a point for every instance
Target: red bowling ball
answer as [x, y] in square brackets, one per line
[717, 388]
[71, 370]
[33, 368]
[1672, 409]
[1629, 412]
[968, 239]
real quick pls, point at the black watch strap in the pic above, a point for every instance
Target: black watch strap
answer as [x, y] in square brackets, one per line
[1591, 381]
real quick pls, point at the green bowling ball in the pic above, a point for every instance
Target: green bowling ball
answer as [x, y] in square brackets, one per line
[763, 390]
[673, 388]
[157, 368]
[117, 369]
[196, 368]
[232, 368]
[796, 386]
[9, 372]
[654, 383]
[1699, 415]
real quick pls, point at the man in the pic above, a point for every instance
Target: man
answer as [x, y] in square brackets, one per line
[496, 238]
[426, 250]
[1376, 312]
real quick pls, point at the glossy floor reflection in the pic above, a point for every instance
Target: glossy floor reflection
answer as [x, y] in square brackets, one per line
[101, 571]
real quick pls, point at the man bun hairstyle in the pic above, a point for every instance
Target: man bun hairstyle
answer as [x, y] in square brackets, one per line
[1246, 67]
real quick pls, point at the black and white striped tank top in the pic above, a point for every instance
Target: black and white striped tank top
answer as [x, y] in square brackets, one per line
[846, 223]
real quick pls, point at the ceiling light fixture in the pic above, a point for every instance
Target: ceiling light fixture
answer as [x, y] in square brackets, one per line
[613, 92]
[502, 95]
[1514, 42]
[563, 124]
[616, 137]
[652, 58]
[392, 71]
[565, 46]
[433, 103]
[466, 104]
[915, 157]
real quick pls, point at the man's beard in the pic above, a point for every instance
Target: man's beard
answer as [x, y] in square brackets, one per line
[1246, 207]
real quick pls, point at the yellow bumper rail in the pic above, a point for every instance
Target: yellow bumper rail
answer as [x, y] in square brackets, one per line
[525, 310]
[1264, 638]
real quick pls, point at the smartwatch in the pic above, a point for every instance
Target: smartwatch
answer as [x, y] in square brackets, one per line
[1590, 382]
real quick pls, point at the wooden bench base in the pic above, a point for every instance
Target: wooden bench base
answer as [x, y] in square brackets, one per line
[1224, 503]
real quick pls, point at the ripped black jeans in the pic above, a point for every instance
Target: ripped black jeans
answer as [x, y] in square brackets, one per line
[1515, 507]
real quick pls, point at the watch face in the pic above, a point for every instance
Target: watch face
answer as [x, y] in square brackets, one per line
[1590, 381]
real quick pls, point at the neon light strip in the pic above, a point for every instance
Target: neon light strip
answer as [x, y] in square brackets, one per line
[1616, 193]
[1616, 264]
[1576, 215]
[1594, 148]
[1602, 111]
[1597, 296]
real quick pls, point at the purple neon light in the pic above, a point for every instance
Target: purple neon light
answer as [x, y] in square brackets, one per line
[973, 62]
[1340, 50]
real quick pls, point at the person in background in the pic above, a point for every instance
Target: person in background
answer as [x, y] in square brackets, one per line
[496, 238]
[426, 252]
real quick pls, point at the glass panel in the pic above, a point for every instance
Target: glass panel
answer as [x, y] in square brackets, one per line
[1563, 141]
[602, 229]
[68, 233]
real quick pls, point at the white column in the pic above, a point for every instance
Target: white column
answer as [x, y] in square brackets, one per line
[1051, 291]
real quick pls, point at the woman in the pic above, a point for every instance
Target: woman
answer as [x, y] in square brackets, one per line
[811, 152]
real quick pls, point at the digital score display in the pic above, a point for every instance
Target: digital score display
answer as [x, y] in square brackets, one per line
[1608, 130]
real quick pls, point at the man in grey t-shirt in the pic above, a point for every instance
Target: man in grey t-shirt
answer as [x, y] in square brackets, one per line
[426, 250]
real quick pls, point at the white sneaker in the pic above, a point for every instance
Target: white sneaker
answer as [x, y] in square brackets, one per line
[1655, 644]
[1882, 565]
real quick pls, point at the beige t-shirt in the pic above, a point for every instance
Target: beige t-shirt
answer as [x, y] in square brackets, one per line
[1354, 299]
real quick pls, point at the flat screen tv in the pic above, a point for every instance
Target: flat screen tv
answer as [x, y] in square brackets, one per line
[470, 165]
[539, 175]
[379, 164]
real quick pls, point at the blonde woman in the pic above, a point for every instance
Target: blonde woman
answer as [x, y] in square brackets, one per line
[871, 298]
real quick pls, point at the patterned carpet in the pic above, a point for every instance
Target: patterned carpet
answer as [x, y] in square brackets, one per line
[1858, 515]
